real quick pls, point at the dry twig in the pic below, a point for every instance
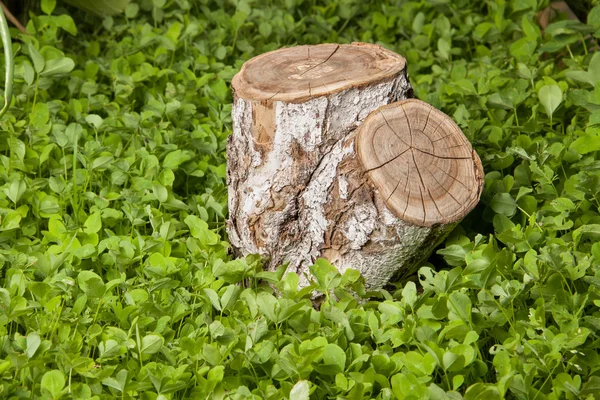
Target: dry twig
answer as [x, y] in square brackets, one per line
[12, 18]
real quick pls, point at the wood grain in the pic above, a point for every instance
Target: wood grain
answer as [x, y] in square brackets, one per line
[299, 73]
[421, 163]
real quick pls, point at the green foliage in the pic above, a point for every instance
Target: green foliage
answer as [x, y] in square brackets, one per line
[102, 8]
[115, 275]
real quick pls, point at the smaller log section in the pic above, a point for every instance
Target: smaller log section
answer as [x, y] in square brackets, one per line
[298, 187]
[420, 162]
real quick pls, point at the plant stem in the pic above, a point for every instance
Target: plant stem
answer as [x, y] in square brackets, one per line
[9, 62]
[75, 202]
[139, 343]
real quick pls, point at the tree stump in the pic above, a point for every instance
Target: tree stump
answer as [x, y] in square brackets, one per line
[304, 182]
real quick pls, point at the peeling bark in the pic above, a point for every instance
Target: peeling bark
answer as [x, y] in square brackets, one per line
[297, 190]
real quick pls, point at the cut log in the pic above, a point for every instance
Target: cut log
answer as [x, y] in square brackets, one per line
[420, 162]
[298, 188]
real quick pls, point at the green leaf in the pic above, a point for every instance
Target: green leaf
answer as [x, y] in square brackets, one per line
[482, 391]
[102, 162]
[407, 386]
[450, 359]
[93, 223]
[28, 73]
[586, 143]
[161, 192]
[79, 304]
[211, 354]
[457, 381]
[59, 66]
[85, 251]
[109, 348]
[151, 344]
[594, 69]
[198, 228]
[39, 116]
[213, 297]
[33, 343]
[460, 304]
[265, 29]
[269, 306]
[592, 386]
[550, 96]
[520, 5]
[16, 189]
[589, 230]
[91, 284]
[173, 159]
[334, 355]
[132, 10]
[523, 49]
[444, 48]
[466, 85]
[157, 265]
[418, 22]
[94, 120]
[48, 6]
[300, 391]
[409, 294]
[53, 382]
[37, 59]
[503, 203]
[531, 30]
[230, 296]
[66, 22]
[117, 383]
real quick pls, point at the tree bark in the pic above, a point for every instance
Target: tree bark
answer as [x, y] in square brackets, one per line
[297, 188]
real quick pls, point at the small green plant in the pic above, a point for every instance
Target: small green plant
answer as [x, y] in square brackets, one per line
[115, 274]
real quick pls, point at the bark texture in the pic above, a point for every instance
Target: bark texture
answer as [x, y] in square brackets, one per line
[297, 188]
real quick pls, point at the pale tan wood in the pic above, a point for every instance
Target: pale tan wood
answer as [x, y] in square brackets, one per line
[421, 163]
[297, 74]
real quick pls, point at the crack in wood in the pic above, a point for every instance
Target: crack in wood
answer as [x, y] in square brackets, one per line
[392, 129]
[456, 146]
[442, 138]
[422, 122]
[322, 62]
[442, 157]
[427, 123]
[407, 186]
[409, 127]
[443, 187]
[422, 184]
[453, 178]
[435, 204]
[423, 204]
[387, 162]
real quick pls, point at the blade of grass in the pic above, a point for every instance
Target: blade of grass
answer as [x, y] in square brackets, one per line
[9, 62]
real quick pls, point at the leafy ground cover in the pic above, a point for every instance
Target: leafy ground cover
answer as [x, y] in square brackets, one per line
[115, 274]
